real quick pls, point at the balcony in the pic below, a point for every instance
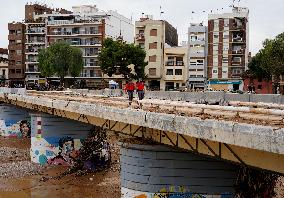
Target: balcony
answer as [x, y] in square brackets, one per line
[32, 71]
[140, 37]
[96, 43]
[170, 63]
[237, 40]
[92, 64]
[35, 42]
[74, 33]
[91, 54]
[31, 61]
[35, 31]
[240, 51]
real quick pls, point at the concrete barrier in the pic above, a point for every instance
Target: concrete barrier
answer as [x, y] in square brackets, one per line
[267, 98]
[237, 97]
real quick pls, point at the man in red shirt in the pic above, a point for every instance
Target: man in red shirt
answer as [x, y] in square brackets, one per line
[140, 89]
[130, 87]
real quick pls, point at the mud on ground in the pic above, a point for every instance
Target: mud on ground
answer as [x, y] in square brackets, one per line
[22, 178]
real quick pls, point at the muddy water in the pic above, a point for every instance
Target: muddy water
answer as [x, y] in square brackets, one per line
[102, 185]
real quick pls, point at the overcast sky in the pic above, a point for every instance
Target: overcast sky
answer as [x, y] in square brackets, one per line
[265, 18]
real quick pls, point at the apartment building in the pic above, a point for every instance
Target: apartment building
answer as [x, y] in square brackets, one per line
[3, 65]
[35, 24]
[153, 36]
[197, 54]
[16, 56]
[228, 49]
[86, 29]
[175, 73]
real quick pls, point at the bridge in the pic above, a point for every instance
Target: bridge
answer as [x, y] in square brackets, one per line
[248, 133]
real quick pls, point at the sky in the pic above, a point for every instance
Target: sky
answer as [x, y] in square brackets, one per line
[265, 17]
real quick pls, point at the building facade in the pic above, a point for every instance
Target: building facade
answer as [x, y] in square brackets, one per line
[35, 24]
[85, 27]
[153, 36]
[175, 72]
[228, 48]
[16, 56]
[3, 66]
[197, 53]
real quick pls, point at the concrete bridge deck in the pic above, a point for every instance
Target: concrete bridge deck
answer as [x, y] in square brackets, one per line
[240, 134]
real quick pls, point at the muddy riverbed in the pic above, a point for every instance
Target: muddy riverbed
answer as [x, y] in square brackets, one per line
[21, 178]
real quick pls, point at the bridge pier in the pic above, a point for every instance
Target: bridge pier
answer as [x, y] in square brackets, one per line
[158, 171]
[14, 121]
[56, 140]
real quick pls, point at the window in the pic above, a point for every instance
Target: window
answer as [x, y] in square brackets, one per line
[200, 62]
[3, 72]
[18, 62]
[18, 71]
[237, 59]
[171, 61]
[192, 76]
[215, 71]
[200, 70]
[216, 35]
[236, 71]
[225, 47]
[216, 23]
[19, 52]
[18, 41]
[178, 72]
[226, 35]
[11, 71]
[152, 71]
[170, 72]
[19, 32]
[152, 58]
[225, 60]
[215, 47]
[153, 32]
[193, 38]
[199, 76]
[142, 45]
[153, 45]
[226, 22]
[141, 31]
[192, 70]
[215, 60]
[259, 86]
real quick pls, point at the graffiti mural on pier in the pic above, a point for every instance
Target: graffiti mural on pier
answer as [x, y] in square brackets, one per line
[170, 192]
[12, 128]
[54, 150]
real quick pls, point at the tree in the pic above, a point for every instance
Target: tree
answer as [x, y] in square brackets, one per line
[268, 63]
[60, 59]
[116, 58]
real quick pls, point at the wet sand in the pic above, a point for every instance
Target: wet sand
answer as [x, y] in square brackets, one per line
[100, 185]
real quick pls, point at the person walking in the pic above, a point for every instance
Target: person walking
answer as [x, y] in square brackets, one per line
[129, 88]
[140, 90]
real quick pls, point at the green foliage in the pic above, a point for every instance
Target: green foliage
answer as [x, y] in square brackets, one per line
[60, 59]
[269, 61]
[116, 57]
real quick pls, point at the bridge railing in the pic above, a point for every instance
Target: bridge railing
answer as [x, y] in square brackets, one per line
[199, 97]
